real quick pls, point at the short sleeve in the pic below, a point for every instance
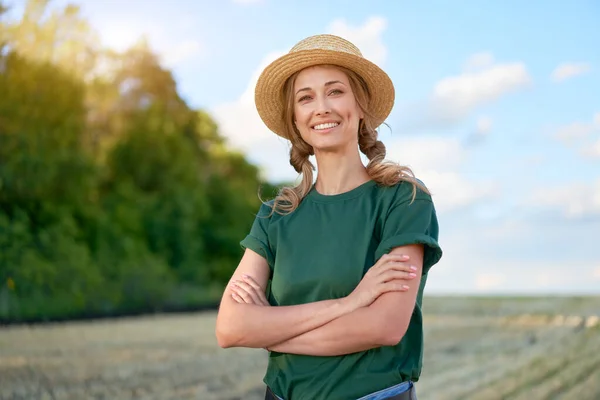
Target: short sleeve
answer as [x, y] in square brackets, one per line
[412, 222]
[257, 239]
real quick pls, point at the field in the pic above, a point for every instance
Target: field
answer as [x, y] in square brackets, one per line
[476, 348]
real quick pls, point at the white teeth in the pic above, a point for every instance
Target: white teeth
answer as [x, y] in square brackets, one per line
[326, 126]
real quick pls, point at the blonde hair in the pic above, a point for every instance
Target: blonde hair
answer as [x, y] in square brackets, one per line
[384, 172]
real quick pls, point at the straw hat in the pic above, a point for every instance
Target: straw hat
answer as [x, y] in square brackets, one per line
[315, 50]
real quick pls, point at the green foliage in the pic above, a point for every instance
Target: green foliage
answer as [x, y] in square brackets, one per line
[115, 196]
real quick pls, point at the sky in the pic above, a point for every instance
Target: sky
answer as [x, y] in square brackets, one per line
[497, 111]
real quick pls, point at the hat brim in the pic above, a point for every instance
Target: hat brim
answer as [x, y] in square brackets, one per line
[271, 82]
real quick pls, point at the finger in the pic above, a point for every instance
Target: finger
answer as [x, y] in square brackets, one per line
[386, 258]
[241, 292]
[395, 265]
[248, 279]
[241, 297]
[249, 290]
[249, 298]
[258, 297]
[391, 274]
[237, 298]
[264, 302]
[244, 286]
[399, 266]
[394, 286]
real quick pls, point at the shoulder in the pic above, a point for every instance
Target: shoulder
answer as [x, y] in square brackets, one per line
[266, 208]
[269, 212]
[265, 213]
[405, 193]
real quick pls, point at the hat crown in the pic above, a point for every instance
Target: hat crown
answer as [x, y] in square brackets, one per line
[326, 42]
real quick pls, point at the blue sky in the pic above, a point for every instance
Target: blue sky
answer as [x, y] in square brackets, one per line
[497, 111]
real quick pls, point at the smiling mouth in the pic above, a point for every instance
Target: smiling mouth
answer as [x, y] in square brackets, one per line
[325, 126]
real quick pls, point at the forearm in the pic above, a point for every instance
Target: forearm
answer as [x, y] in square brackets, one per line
[249, 325]
[353, 332]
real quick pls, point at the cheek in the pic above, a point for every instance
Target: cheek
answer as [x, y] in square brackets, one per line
[303, 125]
[300, 117]
[353, 116]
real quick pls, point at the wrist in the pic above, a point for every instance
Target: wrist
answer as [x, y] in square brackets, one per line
[346, 305]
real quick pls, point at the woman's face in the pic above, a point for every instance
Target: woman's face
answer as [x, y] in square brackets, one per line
[325, 111]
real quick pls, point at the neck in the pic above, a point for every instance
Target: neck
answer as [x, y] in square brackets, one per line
[339, 173]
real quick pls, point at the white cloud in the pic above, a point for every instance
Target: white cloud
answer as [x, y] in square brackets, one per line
[592, 151]
[366, 37]
[577, 130]
[452, 191]
[569, 70]
[184, 51]
[478, 61]
[272, 154]
[427, 152]
[484, 125]
[456, 97]
[436, 160]
[573, 131]
[119, 34]
[239, 121]
[522, 256]
[506, 228]
[574, 200]
[172, 43]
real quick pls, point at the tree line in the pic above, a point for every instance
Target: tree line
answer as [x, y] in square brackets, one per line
[116, 196]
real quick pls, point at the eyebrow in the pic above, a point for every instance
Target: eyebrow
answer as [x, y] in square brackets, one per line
[326, 84]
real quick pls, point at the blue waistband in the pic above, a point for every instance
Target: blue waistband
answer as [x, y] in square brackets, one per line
[383, 393]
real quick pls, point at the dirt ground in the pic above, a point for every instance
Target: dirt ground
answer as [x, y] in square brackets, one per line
[474, 350]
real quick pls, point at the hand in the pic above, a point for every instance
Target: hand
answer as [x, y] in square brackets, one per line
[248, 291]
[382, 277]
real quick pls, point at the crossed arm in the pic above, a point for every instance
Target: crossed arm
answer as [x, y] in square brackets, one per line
[324, 328]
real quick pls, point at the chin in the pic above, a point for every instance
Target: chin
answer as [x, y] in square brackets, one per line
[330, 145]
[331, 141]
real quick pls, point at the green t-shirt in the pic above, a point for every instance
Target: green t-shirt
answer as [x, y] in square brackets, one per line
[321, 251]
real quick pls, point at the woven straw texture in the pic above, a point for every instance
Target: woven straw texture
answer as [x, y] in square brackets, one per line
[318, 50]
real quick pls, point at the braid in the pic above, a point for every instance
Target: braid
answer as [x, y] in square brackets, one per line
[290, 197]
[368, 143]
[299, 156]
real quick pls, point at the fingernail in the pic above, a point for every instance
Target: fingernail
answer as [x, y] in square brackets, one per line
[413, 267]
[412, 274]
[244, 276]
[405, 286]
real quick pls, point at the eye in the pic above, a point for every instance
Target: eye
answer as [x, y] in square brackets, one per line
[336, 91]
[303, 98]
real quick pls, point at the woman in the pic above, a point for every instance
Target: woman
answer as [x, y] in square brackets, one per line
[346, 257]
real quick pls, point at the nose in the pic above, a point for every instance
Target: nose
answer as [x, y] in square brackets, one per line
[323, 107]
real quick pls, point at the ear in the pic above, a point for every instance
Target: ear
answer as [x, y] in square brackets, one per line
[361, 114]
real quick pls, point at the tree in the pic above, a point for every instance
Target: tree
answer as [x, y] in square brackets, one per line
[115, 195]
